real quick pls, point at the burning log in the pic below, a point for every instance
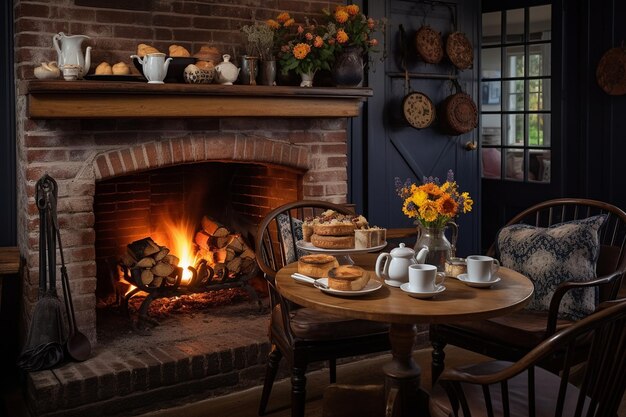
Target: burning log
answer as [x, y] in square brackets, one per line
[213, 228]
[150, 262]
[143, 247]
[225, 251]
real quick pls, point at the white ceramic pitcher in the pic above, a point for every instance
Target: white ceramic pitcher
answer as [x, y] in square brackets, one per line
[70, 53]
[154, 67]
[393, 267]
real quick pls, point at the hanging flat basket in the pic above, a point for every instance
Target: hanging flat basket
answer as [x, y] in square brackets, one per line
[459, 50]
[459, 114]
[419, 111]
[611, 71]
[429, 44]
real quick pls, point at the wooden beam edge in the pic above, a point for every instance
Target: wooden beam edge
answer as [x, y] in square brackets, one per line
[57, 106]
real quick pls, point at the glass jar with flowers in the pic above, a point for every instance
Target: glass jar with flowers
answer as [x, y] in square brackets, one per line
[355, 39]
[306, 51]
[434, 206]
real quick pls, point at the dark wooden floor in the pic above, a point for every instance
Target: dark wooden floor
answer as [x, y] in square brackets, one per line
[367, 371]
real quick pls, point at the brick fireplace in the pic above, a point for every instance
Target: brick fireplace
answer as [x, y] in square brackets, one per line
[100, 159]
[284, 159]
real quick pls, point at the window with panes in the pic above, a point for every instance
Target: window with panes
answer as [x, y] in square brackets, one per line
[515, 94]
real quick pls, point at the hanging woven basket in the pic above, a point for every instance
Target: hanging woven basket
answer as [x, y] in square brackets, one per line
[429, 45]
[611, 71]
[459, 50]
[459, 114]
[419, 111]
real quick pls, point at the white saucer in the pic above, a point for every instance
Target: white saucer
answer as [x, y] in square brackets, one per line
[372, 285]
[405, 287]
[393, 283]
[478, 284]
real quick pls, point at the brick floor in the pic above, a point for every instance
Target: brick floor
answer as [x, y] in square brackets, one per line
[186, 357]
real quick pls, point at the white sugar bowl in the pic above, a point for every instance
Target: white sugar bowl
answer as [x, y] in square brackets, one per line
[226, 72]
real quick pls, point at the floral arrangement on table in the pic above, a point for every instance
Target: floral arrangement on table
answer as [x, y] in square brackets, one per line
[433, 204]
[353, 28]
[310, 48]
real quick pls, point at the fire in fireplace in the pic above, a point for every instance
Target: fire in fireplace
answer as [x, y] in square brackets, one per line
[178, 232]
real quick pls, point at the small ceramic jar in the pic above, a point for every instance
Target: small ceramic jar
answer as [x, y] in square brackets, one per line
[47, 71]
[195, 75]
[226, 72]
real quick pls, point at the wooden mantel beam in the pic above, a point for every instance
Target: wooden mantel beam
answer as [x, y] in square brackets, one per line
[107, 99]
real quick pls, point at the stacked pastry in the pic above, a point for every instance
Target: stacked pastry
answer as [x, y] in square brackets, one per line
[332, 230]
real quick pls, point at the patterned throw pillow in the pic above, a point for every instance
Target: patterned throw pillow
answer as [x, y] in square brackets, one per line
[287, 238]
[549, 256]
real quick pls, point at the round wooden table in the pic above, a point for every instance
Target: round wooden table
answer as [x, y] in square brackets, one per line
[457, 303]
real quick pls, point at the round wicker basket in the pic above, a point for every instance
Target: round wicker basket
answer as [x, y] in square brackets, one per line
[429, 44]
[419, 111]
[459, 113]
[459, 50]
[611, 71]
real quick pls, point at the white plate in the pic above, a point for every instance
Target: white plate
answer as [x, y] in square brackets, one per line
[405, 287]
[308, 246]
[478, 284]
[372, 285]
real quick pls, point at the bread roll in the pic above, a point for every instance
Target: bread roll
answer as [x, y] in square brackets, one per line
[348, 278]
[178, 51]
[205, 65]
[143, 49]
[121, 68]
[316, 265]
[333, 242]
[209, 53]
[104, 69]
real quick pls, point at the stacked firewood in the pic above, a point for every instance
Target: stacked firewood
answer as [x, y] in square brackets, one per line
[150, 262]
[223, 249]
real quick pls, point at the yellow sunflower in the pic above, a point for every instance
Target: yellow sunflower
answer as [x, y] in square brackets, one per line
[447, 206]
[428, 211]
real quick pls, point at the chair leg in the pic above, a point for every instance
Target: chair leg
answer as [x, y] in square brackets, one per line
[332, 366]
[438, 361]
[298, 390]
[270, 375]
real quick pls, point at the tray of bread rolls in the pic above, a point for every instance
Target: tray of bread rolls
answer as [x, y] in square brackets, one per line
[336, 233]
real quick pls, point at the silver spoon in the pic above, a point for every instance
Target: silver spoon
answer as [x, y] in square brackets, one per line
[309, 280]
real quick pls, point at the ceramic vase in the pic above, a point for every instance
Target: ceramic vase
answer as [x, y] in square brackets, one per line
[439, 247]
[348, 68]
[249, 70]
[307, 79]
[268, 72]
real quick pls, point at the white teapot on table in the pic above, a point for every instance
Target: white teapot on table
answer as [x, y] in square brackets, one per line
[393, 267]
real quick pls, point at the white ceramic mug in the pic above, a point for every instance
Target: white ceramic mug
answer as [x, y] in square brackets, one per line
[424, 278]
[481, 268]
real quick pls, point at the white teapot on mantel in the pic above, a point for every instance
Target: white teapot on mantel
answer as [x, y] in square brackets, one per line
[393, 267]
[70, 53]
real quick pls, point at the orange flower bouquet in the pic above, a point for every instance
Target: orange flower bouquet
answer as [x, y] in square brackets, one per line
[433, 204]
[307, 50]
[353, 28]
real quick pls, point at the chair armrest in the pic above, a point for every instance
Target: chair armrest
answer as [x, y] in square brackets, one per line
[508, 372]
[564, 287]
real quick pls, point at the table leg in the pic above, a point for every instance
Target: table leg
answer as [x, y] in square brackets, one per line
[402, 375]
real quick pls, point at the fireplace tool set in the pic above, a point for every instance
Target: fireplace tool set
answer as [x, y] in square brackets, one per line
[48, 342]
